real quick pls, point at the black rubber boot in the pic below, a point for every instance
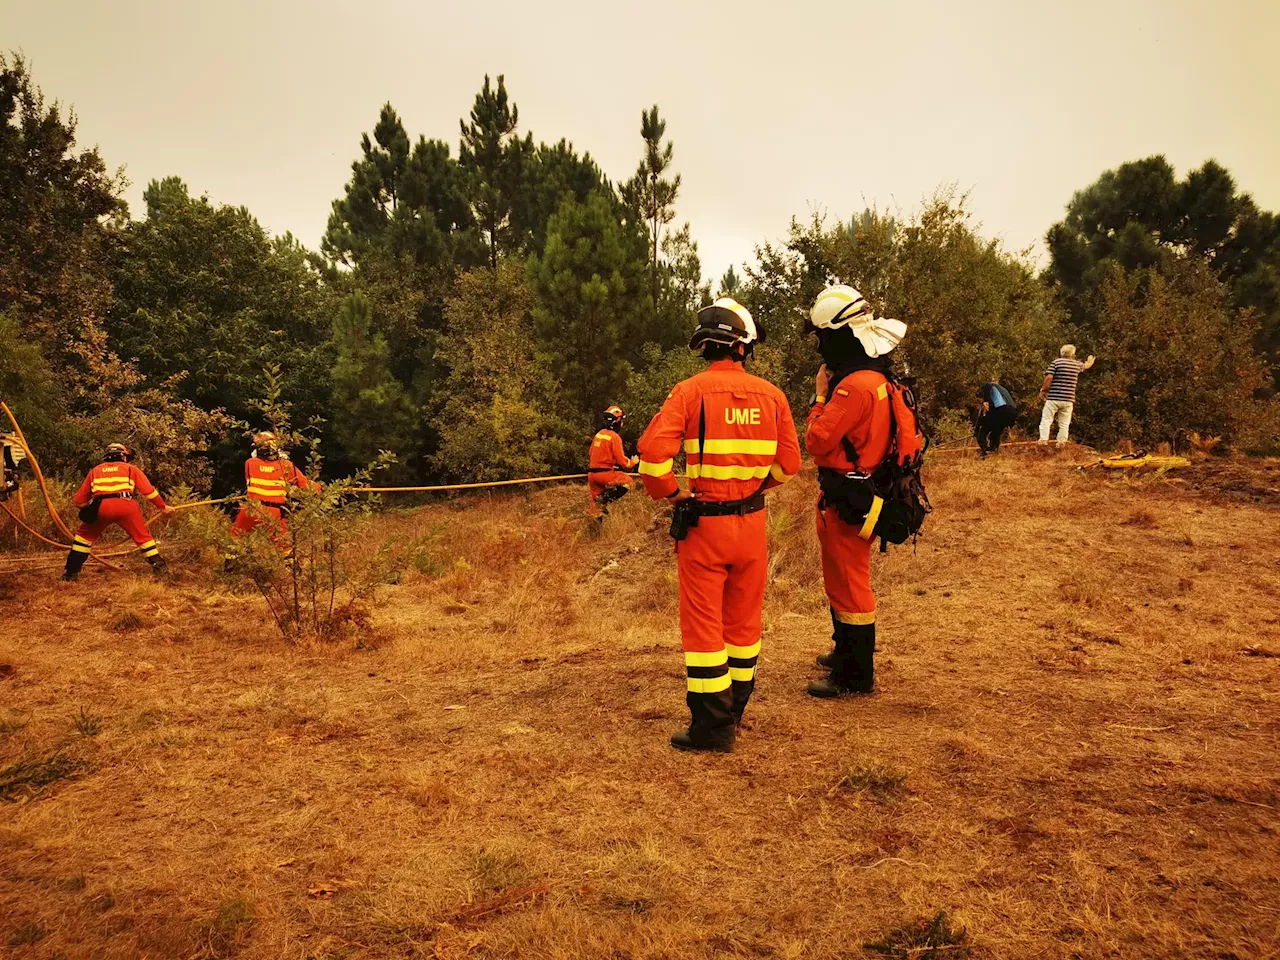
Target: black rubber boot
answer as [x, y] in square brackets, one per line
[712, 723]
[741, 694]
[158, 566]
[611, 495]
[75, 563]
[708, 741]
[827, 659]
[852, 661]
[829, 690]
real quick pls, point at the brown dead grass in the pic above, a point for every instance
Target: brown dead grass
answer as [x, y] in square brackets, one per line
[1072, 753]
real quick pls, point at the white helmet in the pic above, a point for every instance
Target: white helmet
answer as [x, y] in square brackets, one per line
[842, 306]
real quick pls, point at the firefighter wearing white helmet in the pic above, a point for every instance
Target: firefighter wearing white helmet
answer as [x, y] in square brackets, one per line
[738, 439]
[849, 434]
[840, 307]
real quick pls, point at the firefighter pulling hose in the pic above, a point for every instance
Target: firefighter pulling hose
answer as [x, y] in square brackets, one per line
[269, 476]
[605, 480]
[109, 496]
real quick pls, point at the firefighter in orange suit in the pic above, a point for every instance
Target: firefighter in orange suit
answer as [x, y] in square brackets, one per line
[848, 433]
[739, 440]
[268, 476]
[604, 477]
[109, 495]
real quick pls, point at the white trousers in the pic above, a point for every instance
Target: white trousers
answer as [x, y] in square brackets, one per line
[1059, 410]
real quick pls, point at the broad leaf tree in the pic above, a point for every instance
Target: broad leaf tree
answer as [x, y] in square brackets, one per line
[1141, 217]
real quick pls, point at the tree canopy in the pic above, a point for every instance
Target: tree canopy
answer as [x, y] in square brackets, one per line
[474, 311]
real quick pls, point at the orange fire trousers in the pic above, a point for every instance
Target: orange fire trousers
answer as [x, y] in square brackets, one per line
[249, 517]
[125, 512]
[723, 567]
[846, 570]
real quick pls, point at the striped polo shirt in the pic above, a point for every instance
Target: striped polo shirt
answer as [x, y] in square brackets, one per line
[1065, 374]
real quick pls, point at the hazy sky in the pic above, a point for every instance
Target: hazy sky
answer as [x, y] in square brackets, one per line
[776, 109]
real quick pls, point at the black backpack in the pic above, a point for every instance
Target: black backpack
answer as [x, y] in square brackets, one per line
[891, 502]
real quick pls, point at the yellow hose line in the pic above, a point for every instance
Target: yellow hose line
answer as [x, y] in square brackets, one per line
[35, 468]
[35, 533]
[470, 486]
[44, 489]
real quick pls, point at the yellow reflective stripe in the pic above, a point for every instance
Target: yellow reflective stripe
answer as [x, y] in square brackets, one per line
[256, 482]
[764, 448]
[80, 547]
[779, 474]
[80, 539]
[144, 546]
[111, 486]
[657, 469]
[868, 527]
[856, 619]
[715, 471]
[882, 392]
[742, 653]
[716, 658]
[153, 494]
[603, 436]
[742, 673]
[709, 684]
[273, 490]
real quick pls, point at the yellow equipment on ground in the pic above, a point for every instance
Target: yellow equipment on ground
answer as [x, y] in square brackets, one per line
[1139, 460]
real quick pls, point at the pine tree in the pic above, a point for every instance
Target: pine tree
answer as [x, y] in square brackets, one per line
[730, 283]
[650, 192]
[370, 409]
[590, 312]
[493, 158]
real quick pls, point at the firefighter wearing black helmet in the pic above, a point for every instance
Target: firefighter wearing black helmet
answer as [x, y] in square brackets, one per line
[110, 495]
[738, 439]
[605, 478]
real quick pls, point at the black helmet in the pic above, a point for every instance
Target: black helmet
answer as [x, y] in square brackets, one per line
[726, 321]
[613, 418]
[118, 453]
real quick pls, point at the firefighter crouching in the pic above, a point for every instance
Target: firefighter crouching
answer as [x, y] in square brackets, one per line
[739, 440]
[268, 476]
[605, 480]
[109, 495]
[849, 434]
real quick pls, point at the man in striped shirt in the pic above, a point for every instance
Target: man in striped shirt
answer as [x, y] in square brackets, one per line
[1058, 393]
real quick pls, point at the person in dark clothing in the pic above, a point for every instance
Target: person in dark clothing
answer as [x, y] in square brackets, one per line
[998, 413]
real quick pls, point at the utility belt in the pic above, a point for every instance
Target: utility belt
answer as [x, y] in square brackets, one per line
[873, 503]
[89, 512]
[601, 469]
[686, 513]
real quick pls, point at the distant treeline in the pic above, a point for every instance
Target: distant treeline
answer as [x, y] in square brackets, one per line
[474, 312]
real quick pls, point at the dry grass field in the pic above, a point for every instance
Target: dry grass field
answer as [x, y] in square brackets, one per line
[1073, 751]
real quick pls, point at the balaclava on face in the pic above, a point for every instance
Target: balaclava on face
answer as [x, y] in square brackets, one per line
[841, 348]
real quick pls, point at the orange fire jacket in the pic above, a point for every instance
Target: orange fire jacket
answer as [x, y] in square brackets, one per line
[607, 451]
[269, 480]
[858, 408]
[736, 431]
[116, 478]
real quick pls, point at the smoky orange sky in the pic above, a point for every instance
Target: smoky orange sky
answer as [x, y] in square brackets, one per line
[776, 109]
